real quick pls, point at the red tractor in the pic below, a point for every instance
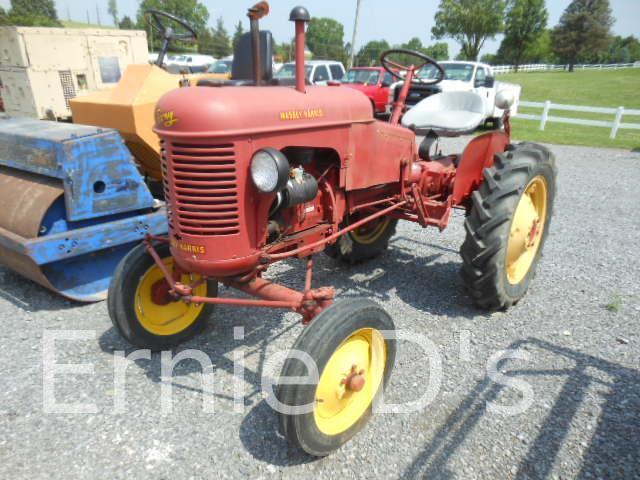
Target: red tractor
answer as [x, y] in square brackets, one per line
[256, 173]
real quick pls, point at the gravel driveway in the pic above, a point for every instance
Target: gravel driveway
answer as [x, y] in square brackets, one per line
[579, 328]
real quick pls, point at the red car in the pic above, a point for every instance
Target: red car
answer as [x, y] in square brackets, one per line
[374, 82]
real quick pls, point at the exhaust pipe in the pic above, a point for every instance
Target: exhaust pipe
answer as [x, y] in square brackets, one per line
[255, 13]
[300, 16]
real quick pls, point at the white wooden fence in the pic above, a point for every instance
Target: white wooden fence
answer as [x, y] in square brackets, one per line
[547, 106]
[544, 67]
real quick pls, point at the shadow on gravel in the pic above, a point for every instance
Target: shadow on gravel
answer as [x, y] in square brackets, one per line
[613, 450]
[30, 296]
[260, 435]
[259, 429]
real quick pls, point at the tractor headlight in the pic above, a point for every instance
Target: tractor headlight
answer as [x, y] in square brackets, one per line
[269, 170]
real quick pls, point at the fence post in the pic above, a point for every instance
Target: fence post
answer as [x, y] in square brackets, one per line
[545, 115]
[616, 123]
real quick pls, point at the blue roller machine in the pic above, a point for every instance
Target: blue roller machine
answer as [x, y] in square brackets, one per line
[72, 204]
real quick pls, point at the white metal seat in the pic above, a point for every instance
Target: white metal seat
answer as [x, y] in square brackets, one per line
[448, 114]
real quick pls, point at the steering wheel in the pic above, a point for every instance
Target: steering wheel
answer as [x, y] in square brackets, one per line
[387, 63]
[158, 21]
[155, 19]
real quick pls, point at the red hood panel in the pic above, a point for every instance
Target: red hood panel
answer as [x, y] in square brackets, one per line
[227, 111]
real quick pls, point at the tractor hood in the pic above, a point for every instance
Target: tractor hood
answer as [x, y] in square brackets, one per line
[234, 111]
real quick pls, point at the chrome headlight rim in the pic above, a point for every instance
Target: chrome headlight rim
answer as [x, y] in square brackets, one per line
[269, 170]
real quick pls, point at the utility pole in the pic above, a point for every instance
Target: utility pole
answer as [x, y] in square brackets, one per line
[355, 34]
[98, 14]
[88, 19]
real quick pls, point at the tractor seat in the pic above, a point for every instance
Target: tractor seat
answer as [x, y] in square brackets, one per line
[448, 114]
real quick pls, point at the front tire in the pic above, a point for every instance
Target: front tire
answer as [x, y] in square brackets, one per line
[508, 225]
[346, 342]
[141, 310]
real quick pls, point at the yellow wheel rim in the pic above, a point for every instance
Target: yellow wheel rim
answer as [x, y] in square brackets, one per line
[173, 317]
[369, 233]
[527, 228]
[338, 407]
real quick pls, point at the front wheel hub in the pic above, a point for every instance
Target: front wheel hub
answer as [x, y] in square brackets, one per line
[160, 294]
[157, 310]
[355, 380]
[349, 381]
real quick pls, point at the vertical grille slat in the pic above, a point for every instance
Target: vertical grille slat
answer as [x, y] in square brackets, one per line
[201, 182]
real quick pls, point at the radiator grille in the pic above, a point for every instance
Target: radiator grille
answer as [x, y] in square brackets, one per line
[201, 189]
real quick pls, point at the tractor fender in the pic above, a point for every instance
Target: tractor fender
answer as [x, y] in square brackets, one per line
[478, 155]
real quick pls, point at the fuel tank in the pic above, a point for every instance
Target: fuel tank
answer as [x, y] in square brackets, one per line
[217, 219]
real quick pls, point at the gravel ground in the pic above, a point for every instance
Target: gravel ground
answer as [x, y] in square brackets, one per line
[582, 365]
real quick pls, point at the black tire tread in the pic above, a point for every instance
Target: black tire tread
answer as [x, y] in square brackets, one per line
[487, 225]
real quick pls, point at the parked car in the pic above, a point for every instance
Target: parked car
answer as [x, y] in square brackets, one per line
[460, 76]
[220, 69]
[318, 72]
[374, 82]
[193, 62]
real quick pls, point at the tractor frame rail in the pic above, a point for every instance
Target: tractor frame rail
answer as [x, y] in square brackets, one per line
[309, 303]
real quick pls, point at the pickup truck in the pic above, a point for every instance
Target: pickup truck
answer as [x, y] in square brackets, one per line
[192, 62]
[318, 72]
[460, 76]
[374, 82]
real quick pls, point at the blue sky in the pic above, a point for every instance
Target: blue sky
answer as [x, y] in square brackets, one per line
[396, 21]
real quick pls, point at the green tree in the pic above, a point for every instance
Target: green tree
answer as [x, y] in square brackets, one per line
[619, 50]
[489, 58]
[237, 34]
[470, 22]
[3, 17]
[33, 13]
[630, 43]
[206, 42]
[414, 44]
[584, 29]
[192, 11]
[126, 23]
[221, 46]
[325, 37]
[526, 21]
[541, 51]
[112, 8]
[284, 52]
[369, 54]
[438, 51]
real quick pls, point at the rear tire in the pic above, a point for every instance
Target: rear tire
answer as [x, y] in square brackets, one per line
[345, 338]
[364, 243]
[133, 310]
[507, 225]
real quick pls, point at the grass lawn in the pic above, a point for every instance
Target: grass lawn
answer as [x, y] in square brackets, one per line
[592, 88]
